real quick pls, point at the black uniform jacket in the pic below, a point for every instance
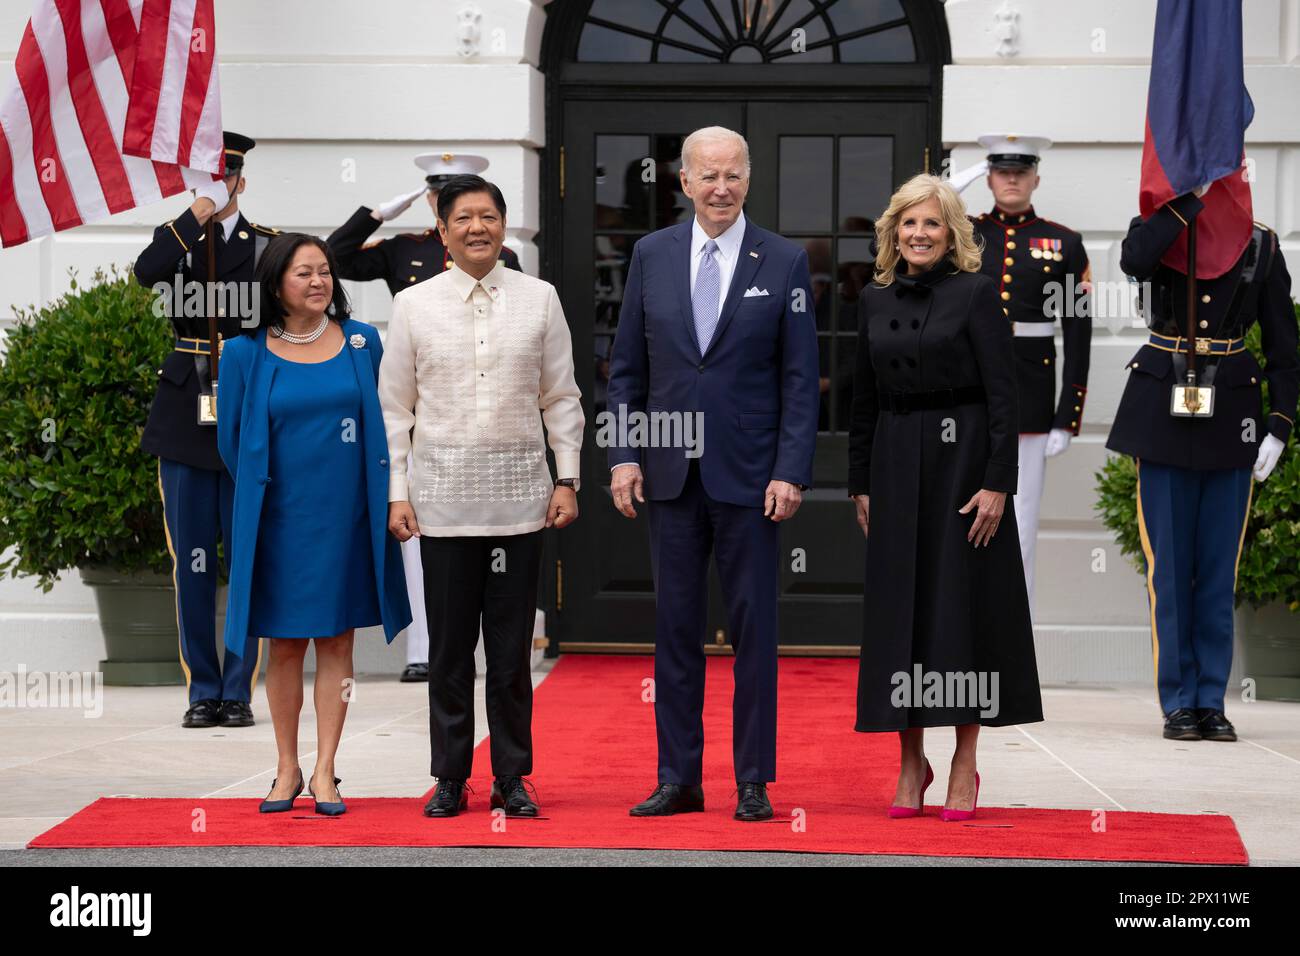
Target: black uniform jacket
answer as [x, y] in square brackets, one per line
[1039, 266]
[1230, 437]
[400, 261]
[179, 248]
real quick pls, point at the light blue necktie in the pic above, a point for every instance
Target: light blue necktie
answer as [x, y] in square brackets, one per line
[704, 298]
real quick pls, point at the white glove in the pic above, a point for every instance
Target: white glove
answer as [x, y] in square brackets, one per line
[398, 204]
[964, 177]
[1058, 439]
[1269, 452]
[216, 192]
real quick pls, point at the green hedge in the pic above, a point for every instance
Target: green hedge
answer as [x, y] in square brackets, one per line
[76, 381]
[1269, 570]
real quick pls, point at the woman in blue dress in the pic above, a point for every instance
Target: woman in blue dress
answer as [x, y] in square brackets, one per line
[300, 429]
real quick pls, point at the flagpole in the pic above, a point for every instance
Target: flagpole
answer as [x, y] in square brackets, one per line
[1191, 301]
[213, 351]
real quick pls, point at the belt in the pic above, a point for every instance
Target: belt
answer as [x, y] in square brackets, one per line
[198, 346]
[1177, 343]
[903, 402]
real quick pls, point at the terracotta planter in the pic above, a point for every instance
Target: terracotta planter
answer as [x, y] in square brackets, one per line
[1269, 639]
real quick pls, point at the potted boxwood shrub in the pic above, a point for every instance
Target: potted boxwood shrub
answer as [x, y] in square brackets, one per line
[76, 381]
[1268, 574]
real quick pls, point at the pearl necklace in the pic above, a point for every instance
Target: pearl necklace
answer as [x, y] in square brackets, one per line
[301, 338]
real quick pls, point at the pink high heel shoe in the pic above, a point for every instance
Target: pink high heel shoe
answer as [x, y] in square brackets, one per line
[898, 813]
[952, 816]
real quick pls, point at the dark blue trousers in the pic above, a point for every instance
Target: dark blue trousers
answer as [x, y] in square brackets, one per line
[197, 506]
[683, 532]
[1192, 524]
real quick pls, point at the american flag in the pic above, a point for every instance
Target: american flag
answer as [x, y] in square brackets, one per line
[109, 105]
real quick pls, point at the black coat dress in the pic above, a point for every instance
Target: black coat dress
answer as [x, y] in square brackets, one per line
[931, 599]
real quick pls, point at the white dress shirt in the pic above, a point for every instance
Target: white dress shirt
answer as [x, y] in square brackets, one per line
[477, 367]
[727, 255]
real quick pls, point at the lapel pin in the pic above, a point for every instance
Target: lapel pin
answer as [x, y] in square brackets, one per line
[358, 340]
[243, 234]
[754, 254]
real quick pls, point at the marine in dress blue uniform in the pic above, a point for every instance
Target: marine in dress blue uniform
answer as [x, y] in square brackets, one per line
[402, 261]
[1194, 472]
[1037, 263]
[196, 489]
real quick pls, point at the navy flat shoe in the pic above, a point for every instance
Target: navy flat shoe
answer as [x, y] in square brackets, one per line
[329, 809]
[279, 806]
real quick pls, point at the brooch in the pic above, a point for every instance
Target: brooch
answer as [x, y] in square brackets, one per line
[358, 341]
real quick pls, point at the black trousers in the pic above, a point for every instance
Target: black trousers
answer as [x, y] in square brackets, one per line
[494, 578]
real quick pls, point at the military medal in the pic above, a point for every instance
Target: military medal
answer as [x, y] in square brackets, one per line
[1047, 249]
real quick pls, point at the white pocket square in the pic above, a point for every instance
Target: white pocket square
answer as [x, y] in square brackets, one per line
[755, 290]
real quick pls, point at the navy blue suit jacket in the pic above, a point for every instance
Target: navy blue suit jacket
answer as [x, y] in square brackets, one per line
[756, 386]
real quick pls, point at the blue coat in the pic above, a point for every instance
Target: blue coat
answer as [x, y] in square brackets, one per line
[243, 429]
[756, 385]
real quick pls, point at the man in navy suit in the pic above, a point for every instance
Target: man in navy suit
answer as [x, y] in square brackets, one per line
[716, 324]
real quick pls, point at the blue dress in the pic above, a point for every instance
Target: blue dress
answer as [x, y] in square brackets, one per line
[313, 574]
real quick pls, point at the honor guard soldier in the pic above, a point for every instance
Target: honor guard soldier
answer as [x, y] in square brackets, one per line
[196, 489]
[411, 257]
[402, 261]
[1195, 443]
[1042, 274]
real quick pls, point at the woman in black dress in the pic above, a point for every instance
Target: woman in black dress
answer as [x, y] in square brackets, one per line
[947, 639]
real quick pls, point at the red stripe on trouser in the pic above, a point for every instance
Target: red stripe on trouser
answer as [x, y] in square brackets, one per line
[50, 172]
[95, 129]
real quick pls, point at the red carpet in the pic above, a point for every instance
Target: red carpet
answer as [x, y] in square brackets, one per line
[595, 757]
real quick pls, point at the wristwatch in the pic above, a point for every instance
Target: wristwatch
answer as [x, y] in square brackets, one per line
[565, 482]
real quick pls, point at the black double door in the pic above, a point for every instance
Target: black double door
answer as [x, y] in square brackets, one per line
[821, 173]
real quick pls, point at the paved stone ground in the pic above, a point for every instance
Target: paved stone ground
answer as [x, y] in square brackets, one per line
[1098, 748]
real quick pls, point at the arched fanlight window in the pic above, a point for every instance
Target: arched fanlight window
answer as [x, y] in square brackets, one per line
[746, 31]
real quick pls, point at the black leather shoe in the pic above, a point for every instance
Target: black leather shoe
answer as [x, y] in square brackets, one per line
[449, 798]
[236, 713]
[511, 794]
[1215, 725]
[670, 798]
[752, 803]
[203, 713]
[1182, 725]
[415, 674]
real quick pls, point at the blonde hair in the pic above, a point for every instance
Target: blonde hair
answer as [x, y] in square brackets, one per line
[712, 134]
[964, 247]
